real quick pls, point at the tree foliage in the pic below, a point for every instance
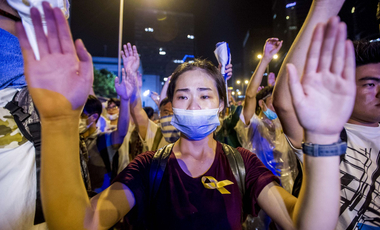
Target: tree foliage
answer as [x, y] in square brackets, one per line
[104, 83]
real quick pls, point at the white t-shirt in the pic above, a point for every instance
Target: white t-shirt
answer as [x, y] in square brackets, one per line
[149, 138]
[17, 173]
[124, 149]
[360, 180]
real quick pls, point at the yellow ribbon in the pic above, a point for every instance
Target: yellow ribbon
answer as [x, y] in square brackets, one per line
[214, 184]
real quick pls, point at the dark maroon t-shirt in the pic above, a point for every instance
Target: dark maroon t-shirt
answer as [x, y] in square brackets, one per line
[183, 202]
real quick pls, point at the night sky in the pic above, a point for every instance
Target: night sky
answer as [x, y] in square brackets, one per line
[96, 22]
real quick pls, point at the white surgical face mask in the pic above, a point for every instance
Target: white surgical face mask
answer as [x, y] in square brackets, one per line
[170, 133]
[112, 117]
[195, 124]
[83, 127]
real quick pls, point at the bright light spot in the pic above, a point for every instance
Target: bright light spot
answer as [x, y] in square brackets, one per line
[259, 56]
[146, 93]
[291, 4]
[239, 93]
[190, 36]
[230, 88]
[233, 93]
[353, 10]
[274, 16]
[191, 61]
[165, 78]
[178, 61]
[275, 56]
[238, 82]
[162, 53]
[287, 17]
[237, 90]
[162, 83]
[246, 81]
[148, 29]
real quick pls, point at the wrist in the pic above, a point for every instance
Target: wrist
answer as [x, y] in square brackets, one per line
[321, 139]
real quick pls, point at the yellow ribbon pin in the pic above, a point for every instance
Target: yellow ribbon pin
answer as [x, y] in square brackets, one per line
[214, 184]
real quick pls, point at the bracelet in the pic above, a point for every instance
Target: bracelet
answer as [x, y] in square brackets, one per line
[315, 150]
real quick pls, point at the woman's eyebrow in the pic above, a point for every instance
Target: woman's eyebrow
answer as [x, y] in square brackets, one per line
[204, 89]
[182, 90]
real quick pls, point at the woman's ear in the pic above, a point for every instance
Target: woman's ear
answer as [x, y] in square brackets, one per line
[262, 106]
[221, 106]
[94, 117]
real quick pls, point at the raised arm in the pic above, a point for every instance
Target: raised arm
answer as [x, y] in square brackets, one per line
[271, 47]
[59, 84]
[320, 12]
[131, 62]
[164, 90]
[124, 89]
[323, 101]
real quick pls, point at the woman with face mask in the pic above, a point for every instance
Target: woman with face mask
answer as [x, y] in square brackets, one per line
[198, 189]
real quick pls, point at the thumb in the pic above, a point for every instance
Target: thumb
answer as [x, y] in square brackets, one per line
[295, 86]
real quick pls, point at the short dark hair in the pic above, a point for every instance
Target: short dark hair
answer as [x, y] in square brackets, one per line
[263, 93]
[367, 51]
[205, 66]
[164, 102]
[115, 101]
[92, 106]
[149, 111]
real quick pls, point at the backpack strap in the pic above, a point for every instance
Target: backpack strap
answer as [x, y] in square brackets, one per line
[237, 166]
[157, 169]
[157, 139]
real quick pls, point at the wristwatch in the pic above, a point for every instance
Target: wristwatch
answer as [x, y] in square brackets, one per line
[315, 150]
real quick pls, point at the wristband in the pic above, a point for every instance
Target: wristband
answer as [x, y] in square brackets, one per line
[315, 150]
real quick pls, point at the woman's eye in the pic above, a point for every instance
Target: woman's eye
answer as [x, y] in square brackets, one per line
[182, 97]
[369, 85]
[205, 97]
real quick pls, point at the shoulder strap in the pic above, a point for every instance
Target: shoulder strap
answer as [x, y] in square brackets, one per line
[157, 139]
[157, 169]
[237, 165]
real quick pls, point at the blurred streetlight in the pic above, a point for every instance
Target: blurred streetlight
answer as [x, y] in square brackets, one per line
[246, 82]
[233, 93]
[239, 93]
[275, 56]
[238, 82]
[259, 56]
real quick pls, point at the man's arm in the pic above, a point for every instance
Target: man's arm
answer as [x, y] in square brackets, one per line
[320, 11]
[124, 90]
[323, 103]
[271, 47]
[59, 84]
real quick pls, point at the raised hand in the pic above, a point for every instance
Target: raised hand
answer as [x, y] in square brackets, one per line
[271, 79]
[61, 80]
[127, 87]
[155, 97]
[271, 47]
[324, 100]
[228, 70]
[131, 59]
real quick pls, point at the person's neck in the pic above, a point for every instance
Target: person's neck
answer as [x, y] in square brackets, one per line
[113, 122]
[362, 123]
[196, 149]
[89, 132]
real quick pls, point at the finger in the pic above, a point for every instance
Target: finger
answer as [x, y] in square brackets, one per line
[339, 50]
[129, 49]
[117, 79]
[313, 53]
[125, 51]
[135, 53]
[54, 45]
[349, 63]
[85, 67]
[328, 44]
[295, 86]
[64, 33]
[39, 31]
[26, 48]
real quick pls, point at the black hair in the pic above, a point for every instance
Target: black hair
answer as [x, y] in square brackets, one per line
[367, 51]
[92, 106]
[205, 66]
[149, 111]
[115, 101]
[267, 90]
[164, 102]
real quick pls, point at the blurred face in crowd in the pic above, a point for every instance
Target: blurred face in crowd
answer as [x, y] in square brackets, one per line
[367, 103]
[196, 90]
[166, 110]
[112, 108]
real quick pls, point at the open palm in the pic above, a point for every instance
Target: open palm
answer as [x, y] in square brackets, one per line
[61, 80]
[324, 98]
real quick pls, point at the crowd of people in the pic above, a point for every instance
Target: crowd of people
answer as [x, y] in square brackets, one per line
[300, 153]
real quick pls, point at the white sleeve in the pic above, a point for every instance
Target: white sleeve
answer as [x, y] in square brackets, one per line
[150, 134]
